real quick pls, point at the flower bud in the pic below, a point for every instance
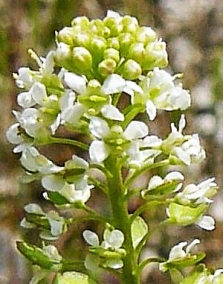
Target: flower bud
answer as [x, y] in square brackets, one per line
[81, 39]
[83, 22]
[131, 70]
[116, 29]
[66, 35]
[137, 52]
[155, 56]
[145, 35]
[112, 54]
[82, 59]
[63, 56]
[107, 67]
[110, 22]
[125, 40]
[97, 47]
[113, 42]
[130, 24]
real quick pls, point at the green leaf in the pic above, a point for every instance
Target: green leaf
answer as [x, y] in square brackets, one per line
[139, 229]
[37, 256]
[73, 278]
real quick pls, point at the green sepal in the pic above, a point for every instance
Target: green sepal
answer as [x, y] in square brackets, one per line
[39, 220]
[57, 198]
[187, 261]
[161, 190]
[37, 256]
[185, 215]
[73, 278]
[53, 84]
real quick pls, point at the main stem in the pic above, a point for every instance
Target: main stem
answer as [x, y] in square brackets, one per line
[121, 220]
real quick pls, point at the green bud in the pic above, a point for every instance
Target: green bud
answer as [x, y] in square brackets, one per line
[131, 70]
[107, 67]
[125, 40]
[66, 35]
[63, 56]
[111, 53]
[130, 24]
[81, 39]
[113, 42]
[82, 59]
[83, 22]
[96, 27]
[145, 35]
[110, 22]
[97, 47]
[116, 29]
[137, 52]
[155, 56]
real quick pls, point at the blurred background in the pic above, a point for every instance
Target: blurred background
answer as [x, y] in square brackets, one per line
[193, 32]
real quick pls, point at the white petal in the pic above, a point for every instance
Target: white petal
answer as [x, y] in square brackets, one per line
[39, 93]
[98, 151]
[34, 208]
[72, 114]
[113, 84]
[52, 182]
[154, 182]
[25, 100]
[112, 14]
[13, 134]
[75, 82]
[174, 176]
[207, 223]
[135, 130]
[132, 87]
[151, 110]
[91, 238]
[116, 239]
[177, 251]
[111, 112]
[98, 127]
[191, 245]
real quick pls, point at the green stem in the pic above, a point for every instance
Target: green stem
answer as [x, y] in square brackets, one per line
[58, 140]
[121, 220]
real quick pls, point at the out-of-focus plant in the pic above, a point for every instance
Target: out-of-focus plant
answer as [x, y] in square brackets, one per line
[79, 87]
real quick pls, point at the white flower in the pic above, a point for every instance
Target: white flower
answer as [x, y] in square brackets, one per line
[112, 242]
[186, 148]
[109, 139]
[160, 92]
[198, 194]
[93, 97]
[177, 253]
[24, 78]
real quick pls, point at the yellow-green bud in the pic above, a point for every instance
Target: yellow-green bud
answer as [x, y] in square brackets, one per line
[96, 47]
[63, 56]
[155, 56]
[107, 67]
[130, 24]
[81, 39]
[131, 70]
[83, 22]
[111, 53]
[66, 35]
[113, 42]
[116, 29]
[125, 40]
[82, 59]
[96, 27]
[145, 35]
[137, 52]
[109, 22]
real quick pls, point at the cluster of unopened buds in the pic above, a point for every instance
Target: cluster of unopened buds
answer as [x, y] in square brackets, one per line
[81, 87]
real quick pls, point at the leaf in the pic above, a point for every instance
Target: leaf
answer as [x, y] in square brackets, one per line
[138, 230]
[73, 278]
[37, 256]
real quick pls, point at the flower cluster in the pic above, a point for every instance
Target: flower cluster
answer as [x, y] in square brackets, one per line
[102, 74]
